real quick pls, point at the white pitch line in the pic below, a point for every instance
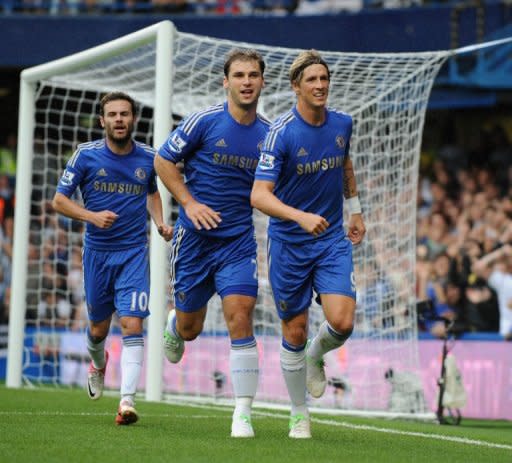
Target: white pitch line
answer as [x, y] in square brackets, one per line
[460, 440]
[61, 413]
[343, 424]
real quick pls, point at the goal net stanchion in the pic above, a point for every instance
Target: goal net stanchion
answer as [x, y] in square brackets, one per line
[387, 95]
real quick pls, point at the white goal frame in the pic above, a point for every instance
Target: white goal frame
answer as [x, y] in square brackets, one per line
[164, 36]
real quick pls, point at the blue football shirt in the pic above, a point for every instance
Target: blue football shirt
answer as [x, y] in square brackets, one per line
[220, 157]
[119, 183]
[306, 164]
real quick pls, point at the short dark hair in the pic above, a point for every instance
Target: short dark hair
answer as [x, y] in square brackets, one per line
[304, 60]
[113, 96]
[240, 54]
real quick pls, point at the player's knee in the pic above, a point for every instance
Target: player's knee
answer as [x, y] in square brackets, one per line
[96, 339]
[344, 327]
[188, 335]
[297, 336]
[131, 326]
[239, 322]
[97, 332]
[189, 331]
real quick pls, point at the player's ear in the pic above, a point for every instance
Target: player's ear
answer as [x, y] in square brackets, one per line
[102, 122]
[225, 82]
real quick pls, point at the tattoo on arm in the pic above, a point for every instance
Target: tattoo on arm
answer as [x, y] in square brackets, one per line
[349, 179]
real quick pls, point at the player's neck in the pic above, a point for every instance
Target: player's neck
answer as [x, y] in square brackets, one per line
[244, 116]
[120, 149]
[314, 115]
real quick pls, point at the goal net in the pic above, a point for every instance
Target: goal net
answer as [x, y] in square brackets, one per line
[170, 76]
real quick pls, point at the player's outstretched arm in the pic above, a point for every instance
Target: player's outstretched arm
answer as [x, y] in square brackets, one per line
[65, 206]
[263, 198]
[199, 214]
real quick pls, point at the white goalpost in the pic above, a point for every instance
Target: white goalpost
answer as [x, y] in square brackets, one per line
[170, 74]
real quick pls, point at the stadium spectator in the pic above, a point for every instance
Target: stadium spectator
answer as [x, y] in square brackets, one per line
[496, 268]
[4, 297]
[7, 237]
[437, 236]
[75, 278]
[32, 285]
[307, 250]
[116, 171]
[6, 198]
[482, 313]
[54, 310]
[500, 156]
[214, 247]
[8, 156]
[170, 6]
[319, 7]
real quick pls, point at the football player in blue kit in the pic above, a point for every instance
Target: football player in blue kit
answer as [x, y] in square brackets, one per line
[117, 181]
[303, 173]
[214, 247]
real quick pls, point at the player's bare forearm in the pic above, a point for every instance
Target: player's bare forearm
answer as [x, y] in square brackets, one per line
[349, 179]
[171, 177]
[263, 198]
[202, 216]
[155, 209]
[65, 206]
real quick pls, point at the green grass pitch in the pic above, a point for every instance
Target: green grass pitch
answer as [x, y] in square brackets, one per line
[63, 425]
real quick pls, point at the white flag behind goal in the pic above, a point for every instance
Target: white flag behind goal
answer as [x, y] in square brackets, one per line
[387, 96]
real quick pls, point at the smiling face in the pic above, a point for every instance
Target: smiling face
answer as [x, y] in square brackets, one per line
[312, 88]
[118, 121]
[244, 83]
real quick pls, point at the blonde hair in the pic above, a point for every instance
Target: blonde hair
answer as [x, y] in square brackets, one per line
[305, 59]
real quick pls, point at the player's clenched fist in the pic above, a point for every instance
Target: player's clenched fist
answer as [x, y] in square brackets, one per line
[356, 228]
[165, 231]
[104, 219]
[313, 223]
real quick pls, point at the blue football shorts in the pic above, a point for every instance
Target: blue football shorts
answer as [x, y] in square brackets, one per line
[202, 266]
[295, 270]
[116, 281]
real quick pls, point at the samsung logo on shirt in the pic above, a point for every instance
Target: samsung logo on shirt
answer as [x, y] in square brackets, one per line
[123, 188]
[333, 162]
[236, 161]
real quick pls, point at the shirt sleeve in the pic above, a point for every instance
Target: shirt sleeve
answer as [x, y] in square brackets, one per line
[72, 175]
[182, 141]
[271, 158]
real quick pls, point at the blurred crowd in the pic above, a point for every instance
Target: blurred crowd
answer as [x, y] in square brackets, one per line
[214, 7]
[54, 271]
[464, 232]
[463, 259]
